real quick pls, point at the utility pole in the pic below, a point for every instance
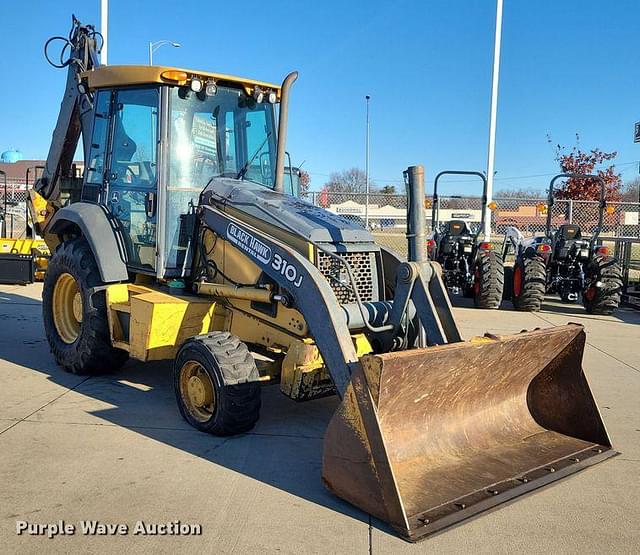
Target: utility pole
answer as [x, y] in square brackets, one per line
[104, 30]
[492, 120]
[366, 171]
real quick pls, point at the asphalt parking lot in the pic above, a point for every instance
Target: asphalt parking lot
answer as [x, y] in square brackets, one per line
[115, 449]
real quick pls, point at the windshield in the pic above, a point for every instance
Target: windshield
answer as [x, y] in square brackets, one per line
[227, 134]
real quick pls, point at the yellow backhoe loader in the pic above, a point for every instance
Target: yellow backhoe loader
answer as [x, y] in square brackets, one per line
[180, 243]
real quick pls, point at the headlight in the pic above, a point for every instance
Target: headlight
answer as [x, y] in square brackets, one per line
[467, 248]
[272, 97]
[196, 85]
[584, 253]
[258, 95]
[210, 89]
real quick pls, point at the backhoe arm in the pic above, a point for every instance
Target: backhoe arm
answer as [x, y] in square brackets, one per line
[76, 110]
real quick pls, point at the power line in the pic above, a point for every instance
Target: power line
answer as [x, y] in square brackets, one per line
[506, 178]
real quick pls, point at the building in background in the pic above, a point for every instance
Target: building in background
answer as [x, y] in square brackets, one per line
[16, 169]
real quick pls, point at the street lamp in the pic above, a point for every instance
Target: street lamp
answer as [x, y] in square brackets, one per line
[366, 171]
[492, 119]
[153, 46]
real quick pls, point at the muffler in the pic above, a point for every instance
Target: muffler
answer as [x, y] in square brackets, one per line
[426, 438]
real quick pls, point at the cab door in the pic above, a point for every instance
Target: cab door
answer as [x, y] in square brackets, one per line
[131, 184]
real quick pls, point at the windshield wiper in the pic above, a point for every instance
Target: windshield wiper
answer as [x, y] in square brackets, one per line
[245, 167]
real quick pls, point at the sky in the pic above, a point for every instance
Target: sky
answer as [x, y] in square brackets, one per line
[567, 67]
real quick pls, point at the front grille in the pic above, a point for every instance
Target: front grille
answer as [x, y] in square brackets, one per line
[363, 266]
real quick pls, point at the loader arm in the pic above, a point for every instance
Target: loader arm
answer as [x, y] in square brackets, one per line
[310, 291]
[418, 287]
[76, 110]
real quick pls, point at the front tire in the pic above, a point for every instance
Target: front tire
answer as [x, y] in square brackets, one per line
[603, 299]
[488, 282]
[75, 318]
[216, 384]
[529, 283]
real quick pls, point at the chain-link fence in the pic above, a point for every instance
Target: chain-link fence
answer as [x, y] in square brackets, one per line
[385, 215]
[14, 219]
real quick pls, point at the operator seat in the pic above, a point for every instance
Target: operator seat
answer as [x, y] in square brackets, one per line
[455, 228]
[123, 150]
[564, 238]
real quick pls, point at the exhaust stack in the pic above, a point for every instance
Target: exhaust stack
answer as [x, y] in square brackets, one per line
[282, 129]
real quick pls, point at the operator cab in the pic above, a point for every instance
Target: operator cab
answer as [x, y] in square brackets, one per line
[160, 135]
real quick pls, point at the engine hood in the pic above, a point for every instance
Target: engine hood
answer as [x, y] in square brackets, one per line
[284, 211]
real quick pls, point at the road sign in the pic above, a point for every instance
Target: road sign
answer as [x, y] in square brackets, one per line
[636, 134]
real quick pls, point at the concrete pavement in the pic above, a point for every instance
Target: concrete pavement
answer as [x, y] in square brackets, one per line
[115, 449]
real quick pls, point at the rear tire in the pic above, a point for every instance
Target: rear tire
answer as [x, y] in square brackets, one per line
[529, 283]
[216, 384]
[488, 282]
[604, 299]
[75, 321]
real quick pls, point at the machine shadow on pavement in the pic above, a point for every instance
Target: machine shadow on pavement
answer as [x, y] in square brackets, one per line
[554, 305]
[140, 397]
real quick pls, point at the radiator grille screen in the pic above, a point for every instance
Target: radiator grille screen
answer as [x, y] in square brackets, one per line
[363, 268]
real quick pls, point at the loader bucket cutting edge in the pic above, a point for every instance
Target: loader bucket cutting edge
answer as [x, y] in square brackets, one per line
[426, 438]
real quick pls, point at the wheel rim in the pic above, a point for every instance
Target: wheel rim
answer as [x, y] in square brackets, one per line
[67, 308]
[197, 392]
[517, 281]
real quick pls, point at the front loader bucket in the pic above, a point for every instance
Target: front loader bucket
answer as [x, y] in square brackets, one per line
[426, 438]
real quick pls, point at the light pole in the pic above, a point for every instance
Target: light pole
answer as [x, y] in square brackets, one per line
[492, 122]
[366, 170]
[104, 30]
[153, 46]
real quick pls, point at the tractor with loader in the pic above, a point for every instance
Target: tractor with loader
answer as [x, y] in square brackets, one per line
[563, 261]
[469, 263]
[179, 243]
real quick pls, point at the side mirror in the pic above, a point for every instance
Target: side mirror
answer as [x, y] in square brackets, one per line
[265, 167]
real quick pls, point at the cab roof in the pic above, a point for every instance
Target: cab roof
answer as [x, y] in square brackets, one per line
[125, 75]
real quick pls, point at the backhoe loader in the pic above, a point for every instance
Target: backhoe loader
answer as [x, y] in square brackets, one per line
[180, 244]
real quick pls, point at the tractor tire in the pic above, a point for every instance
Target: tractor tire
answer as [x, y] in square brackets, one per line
[216, 383]
[529, 283]
[604, 299]
[488, 280]
[75, 318]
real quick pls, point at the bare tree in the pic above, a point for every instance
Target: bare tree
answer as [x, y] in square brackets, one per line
[630, 191]
[353, 180]
[519, 192]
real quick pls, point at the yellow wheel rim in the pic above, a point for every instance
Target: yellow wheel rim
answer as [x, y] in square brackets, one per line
[197, 391]
[67, 308]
